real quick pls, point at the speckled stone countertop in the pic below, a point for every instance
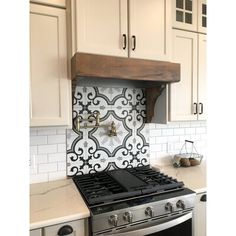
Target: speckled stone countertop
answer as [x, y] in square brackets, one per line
[55, 202]
[194, 177]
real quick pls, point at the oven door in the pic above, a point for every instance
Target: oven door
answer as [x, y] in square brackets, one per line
[180, 225]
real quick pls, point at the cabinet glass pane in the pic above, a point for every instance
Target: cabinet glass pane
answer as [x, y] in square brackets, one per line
[188, 18]
[180, 4]
[204, 21]
[179, 16]
[188, 5]
[204, 9]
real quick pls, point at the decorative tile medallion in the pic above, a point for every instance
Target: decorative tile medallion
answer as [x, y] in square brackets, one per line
[92, 149]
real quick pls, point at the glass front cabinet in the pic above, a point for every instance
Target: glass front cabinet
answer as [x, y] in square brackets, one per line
[190, 15]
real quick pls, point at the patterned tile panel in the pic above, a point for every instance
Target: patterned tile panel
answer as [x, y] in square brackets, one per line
[92, 149]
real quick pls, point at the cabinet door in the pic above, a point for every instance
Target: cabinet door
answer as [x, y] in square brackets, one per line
[150, 29]
[185, 14]
[200, 216]
[36, 232]
[77, 228]
[202, 84]
[49, 84]
[183, 95]
[101, 27]
[202, 16]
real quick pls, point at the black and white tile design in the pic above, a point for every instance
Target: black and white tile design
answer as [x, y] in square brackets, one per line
[91, 150]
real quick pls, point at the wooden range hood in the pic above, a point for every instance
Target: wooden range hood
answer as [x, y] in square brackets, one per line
[153, 74]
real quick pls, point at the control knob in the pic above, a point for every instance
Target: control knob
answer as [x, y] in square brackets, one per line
[149, 211]
[180, 204]
[128, 216]
[113, 220]
[169, 207]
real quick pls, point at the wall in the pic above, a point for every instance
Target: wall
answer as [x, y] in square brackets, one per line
[48, 145]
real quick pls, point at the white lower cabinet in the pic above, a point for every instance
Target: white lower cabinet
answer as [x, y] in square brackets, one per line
[71, 228]
[36, 232]
[199, 220]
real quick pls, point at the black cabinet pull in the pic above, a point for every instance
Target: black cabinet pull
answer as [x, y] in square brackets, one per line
[195, 112]
[134, 42]
[65, 230]
[124, 41]
[203, 198]
[201, 108]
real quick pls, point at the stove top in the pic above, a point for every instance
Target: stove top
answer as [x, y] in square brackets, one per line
[115, 185]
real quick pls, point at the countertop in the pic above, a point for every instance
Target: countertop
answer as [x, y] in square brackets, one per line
[194, 177]
[55, 202]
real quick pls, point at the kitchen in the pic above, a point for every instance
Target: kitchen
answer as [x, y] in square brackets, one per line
[116, 34]
[52, 148]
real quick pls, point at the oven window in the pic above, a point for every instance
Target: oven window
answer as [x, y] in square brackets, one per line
[183, 229]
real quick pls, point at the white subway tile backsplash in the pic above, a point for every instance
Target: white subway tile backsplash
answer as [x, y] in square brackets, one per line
[38, 178]
[55, 139]
[156, 148]
[33, 150]
[167, 132]
[179, 131]
[201, 130]
[47, 167]
[61, 166]
[48, 152]
[61, 131]
[39, 159]
[184, 124]
[46, 131]
[161, 139]
[38, 140]
[33, 132]
[165, 141]
[155, 132]
[61, 148]
[152, 140]
[49, 148]
[173, 139]
[190, 130]
[56, 157]
[56, 175]
[173, 125]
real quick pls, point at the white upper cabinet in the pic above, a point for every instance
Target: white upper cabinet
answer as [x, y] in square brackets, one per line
[183, 95]
[190, 15]
[150, 29]
[101, 27]
[134, 28]
[50, 99]
[187, 98]
[202, 16]
[185, 14]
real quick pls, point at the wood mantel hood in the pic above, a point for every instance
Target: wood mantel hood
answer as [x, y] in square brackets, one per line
[153, 74]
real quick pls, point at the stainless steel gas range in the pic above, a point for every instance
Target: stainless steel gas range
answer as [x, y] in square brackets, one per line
[137, 201]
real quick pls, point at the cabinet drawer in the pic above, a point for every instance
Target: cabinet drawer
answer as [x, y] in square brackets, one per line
[75, 227]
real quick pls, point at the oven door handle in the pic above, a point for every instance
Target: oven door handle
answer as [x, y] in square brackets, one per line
[157, 228]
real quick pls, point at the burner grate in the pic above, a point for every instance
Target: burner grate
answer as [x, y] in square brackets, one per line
[105, 187]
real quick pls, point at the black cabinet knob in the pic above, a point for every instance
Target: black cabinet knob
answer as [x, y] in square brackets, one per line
[203, 198]
[65, 230]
